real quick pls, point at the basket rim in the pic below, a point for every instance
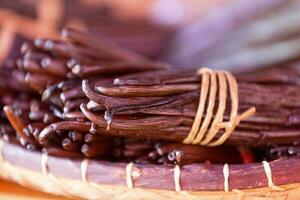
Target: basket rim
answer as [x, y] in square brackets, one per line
[194, 177]
[75, 189]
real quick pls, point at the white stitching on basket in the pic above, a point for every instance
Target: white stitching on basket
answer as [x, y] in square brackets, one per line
[226, 177]
[128, 170]
[83, 170]
[177, 178]
[1, 151]
[44, 160]
[268, 172]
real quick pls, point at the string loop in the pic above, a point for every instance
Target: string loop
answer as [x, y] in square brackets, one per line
[205, 128]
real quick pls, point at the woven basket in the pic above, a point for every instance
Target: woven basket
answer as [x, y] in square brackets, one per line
[106, 180]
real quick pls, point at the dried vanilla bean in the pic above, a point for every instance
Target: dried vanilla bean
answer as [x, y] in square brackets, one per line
[96, 149]
[119, 112]
[276, 114]
[101, 46]
[61, 153]
[76, 136]
[70, 145]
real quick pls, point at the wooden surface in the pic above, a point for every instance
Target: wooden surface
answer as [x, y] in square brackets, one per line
[11, 191]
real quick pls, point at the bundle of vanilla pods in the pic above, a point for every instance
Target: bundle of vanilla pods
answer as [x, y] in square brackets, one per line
[85, 97]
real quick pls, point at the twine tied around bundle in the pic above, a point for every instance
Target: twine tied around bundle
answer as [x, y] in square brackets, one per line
[204, 131]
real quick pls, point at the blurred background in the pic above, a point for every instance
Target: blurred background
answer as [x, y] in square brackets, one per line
[237, 35]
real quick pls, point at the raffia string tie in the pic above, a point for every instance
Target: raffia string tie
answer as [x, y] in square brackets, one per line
[205, 128]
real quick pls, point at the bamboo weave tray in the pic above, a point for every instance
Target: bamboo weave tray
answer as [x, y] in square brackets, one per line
[107, 180]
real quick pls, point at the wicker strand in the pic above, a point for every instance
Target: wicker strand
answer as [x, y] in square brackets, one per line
[44, 166]
[226, 177]
[129, 181]
[240, 194]
[200, 110]
[268, 172]
[177, 178]
[200, 132]
[83, 173]
[45, 171]
[83, 170]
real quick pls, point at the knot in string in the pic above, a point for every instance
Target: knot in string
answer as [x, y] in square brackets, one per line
[205, 129]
